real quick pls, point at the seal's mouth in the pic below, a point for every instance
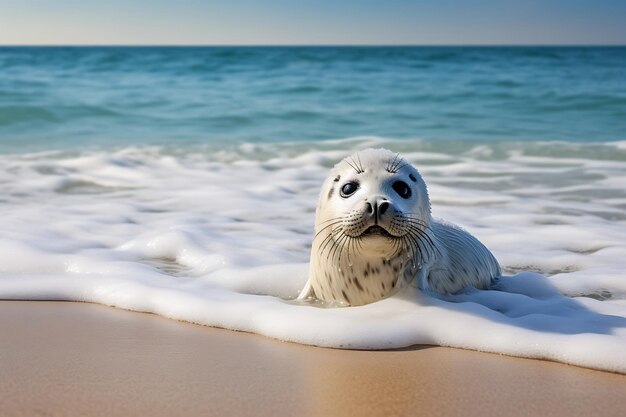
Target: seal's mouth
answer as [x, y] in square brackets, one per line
[376, 231]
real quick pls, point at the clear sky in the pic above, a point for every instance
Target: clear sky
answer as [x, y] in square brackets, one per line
[227, 22]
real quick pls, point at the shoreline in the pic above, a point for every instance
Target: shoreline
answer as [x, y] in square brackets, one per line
[63, 358]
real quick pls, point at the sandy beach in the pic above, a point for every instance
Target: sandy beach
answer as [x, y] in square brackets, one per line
[59, 358]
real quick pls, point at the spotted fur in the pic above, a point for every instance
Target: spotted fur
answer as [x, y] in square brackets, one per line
[360, 255]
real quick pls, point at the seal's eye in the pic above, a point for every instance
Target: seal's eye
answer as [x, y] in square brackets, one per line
[402, 189]
[348, 189]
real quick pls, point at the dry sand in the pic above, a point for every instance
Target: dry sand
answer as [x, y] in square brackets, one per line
[63, 359]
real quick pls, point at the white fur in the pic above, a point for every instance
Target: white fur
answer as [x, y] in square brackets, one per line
[352, 268]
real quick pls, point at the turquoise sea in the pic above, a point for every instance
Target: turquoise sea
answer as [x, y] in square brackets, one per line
[60, 97]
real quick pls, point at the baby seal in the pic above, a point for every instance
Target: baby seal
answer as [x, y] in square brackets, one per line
[374, 233]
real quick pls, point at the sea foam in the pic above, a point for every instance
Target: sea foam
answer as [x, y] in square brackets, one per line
[221, 237]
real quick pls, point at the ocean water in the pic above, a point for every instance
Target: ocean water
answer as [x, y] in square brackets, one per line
[60, 97]
[183, 182]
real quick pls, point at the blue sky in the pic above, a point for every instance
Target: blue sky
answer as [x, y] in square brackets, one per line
[270, 22]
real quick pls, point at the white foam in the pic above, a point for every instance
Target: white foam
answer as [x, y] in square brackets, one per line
[222, 238]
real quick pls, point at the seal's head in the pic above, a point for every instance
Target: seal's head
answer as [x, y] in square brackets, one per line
[372, 226]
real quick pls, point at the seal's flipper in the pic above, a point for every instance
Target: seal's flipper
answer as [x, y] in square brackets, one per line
[307, 292]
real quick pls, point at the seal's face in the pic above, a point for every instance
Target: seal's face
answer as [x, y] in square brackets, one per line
[374, 203]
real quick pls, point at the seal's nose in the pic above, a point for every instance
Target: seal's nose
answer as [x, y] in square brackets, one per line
[377, 207]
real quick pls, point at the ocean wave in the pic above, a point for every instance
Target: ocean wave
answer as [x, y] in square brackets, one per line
[221, 236]
[10, 115]
[20, 115]
[507, 93]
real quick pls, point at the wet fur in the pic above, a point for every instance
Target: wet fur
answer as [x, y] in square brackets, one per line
[349, 267]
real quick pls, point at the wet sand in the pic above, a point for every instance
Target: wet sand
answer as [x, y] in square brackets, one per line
[60, 359]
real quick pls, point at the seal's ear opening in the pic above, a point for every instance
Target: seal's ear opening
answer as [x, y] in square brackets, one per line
[331, 190]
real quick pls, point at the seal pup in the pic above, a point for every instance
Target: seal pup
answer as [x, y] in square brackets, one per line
[374, 234]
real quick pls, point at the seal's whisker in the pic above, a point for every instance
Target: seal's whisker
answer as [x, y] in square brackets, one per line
[420, 237]
[331, 219]
[396, 164]
[353, 167]
[423, 227]
[360, 163]
[345, 248]
[398, 245]
[352, 248]
[410, 246]
[414, 243]
[330, 224]
[356, 243]
[422, 232]
[341, 250]
[335, 244]
[359, 168]
[409, 222]
[340, 242]
[418, 228]
[329, 239]
[337, 249]
[416, 218]
[359, 242]
[333, 252]
[400, 166]
[419, 233]
[391, 163]
[325, 227]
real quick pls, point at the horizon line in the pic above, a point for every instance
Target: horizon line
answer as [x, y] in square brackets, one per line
[321, 45]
